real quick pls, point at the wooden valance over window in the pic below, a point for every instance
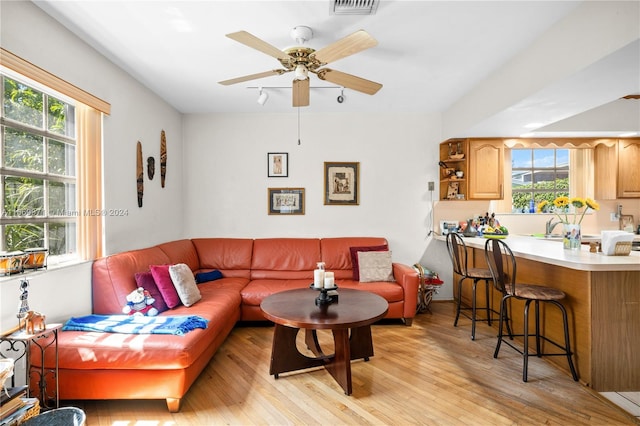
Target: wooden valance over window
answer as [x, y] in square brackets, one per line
[27, 69]
[567, 143]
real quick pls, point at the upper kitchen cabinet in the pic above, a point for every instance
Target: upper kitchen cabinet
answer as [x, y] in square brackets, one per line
[628, 168]
[617, 174]
[453, 172]
[486, 169]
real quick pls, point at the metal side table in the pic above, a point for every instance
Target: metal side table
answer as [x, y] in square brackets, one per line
[19, 344]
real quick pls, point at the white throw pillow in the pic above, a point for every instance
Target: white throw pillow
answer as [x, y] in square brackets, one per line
[185, 284]
[375, 266]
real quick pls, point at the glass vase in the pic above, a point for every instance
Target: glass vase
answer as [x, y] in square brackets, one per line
[572, 236]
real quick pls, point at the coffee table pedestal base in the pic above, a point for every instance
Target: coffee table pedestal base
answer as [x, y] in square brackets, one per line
[285, 356]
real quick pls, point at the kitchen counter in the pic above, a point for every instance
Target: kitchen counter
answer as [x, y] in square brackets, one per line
[552, 252]
[603, 304]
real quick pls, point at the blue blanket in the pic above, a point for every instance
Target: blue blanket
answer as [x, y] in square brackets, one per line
[131, 324]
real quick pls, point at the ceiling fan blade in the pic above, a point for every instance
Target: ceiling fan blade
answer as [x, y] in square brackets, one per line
[301, 93]
[349, 45]
[349, 81]
[255, 43]
[252, 77]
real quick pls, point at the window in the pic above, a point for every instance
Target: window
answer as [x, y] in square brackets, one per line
[538, 174]
[37, 170]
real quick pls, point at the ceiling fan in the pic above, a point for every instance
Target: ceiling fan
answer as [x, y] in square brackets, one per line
[303, 60]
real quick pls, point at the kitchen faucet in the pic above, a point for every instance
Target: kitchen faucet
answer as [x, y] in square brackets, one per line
[551, 225]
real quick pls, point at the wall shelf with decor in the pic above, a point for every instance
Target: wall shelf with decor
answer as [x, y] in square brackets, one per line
[453, 169]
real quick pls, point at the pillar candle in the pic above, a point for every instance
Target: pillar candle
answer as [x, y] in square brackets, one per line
[318, 278]
[329, 280]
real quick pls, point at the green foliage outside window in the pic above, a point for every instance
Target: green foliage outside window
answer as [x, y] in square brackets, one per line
[30, 203]
[547, 190]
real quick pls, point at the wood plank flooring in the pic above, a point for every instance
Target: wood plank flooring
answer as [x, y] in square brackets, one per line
[430, 373]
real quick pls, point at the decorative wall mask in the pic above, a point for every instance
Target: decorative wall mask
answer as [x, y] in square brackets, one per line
[151, 167]
[139, 174]
[163, 158]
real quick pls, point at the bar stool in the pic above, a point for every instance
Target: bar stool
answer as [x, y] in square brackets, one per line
[458, 254]
[502, 265]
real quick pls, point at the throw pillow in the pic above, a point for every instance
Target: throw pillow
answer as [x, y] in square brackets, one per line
[146, 281]
[165, 285]
[203, 277]
[354, 257]
[375, 266]
[185, 284]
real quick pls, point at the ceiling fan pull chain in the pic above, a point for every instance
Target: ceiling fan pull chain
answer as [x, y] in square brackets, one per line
[298, 125]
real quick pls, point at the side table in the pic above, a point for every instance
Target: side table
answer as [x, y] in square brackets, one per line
[20, 344]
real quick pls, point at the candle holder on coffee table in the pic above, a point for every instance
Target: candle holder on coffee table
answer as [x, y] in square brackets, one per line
[325, 298]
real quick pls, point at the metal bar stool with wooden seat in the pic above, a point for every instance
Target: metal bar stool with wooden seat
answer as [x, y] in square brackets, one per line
[502, 265]
[458, 254]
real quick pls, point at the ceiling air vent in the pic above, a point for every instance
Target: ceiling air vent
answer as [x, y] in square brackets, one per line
[354, 7]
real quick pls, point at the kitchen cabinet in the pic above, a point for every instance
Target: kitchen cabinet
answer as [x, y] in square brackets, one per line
[605, 160]
[453, 169]
[616, 169]
[628, 170]
[486, 175]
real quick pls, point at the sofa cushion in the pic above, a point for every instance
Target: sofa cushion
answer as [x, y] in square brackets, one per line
[146, 281]
[185, 284]
[285, 258]
[113, 277]
[337, 256]
[203, 277]
[231, 256]
[257, 290]
[165, 285]
[355, 260]
[375, 266]
[391, 291]
[181, 251]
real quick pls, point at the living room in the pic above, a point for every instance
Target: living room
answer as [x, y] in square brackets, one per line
[217, 181]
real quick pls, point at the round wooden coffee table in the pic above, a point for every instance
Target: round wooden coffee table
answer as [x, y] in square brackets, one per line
[349, 320]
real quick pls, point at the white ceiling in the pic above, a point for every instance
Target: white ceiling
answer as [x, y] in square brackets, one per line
[429, 54]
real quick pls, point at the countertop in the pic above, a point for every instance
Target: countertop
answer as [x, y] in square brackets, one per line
[552, 252]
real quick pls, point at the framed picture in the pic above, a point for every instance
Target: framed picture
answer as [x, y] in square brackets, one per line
[277, 164]
[341, 183]
[286, 200]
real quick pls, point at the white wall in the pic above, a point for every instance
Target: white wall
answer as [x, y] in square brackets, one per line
[226, 175]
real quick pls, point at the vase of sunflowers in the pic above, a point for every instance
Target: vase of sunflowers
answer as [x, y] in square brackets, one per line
[571, 221]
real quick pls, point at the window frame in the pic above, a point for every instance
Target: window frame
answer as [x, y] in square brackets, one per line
[46, 219]
[538, 194]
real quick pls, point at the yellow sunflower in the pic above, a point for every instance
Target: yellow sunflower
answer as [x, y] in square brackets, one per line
[542, 206]
[562, 203]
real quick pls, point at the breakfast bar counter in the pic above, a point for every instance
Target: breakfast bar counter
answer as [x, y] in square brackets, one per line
[603, 304]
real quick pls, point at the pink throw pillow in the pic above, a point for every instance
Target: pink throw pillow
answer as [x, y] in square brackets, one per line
[146, 281]
[354, 257]
[163, 280]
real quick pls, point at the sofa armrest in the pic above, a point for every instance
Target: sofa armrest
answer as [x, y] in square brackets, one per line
[407, 277]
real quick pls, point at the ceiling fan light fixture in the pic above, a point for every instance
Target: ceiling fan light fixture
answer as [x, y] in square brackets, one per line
[262, 98]
[302, 73]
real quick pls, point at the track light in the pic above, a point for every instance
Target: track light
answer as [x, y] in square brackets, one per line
[302, 73]
[263, 97]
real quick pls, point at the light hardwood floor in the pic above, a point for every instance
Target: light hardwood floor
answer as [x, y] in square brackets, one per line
[430, 373]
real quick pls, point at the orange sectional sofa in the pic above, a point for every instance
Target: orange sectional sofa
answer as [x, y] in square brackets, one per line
[96, 365]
